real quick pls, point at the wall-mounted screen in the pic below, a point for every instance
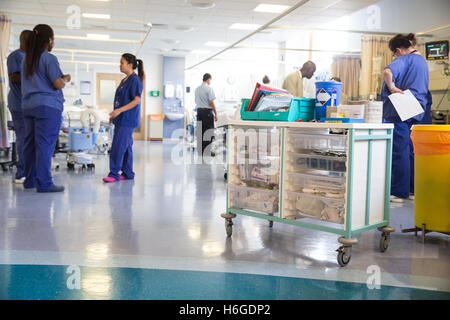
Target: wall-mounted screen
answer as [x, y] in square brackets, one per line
[437, 50]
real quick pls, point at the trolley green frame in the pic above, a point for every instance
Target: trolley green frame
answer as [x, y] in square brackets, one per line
[347, 233]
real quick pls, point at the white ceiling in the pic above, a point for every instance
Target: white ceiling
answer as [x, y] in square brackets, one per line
[165, 15]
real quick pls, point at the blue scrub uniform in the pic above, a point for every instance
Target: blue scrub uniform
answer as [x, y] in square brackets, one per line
[14, 63]
[121, 156]
[409, 72]
[42, 106]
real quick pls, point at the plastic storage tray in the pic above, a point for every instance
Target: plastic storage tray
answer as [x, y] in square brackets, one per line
[306, 162]
[333, 187]
[316, 207]
[261, 200]
[328, 142]
[300, 108]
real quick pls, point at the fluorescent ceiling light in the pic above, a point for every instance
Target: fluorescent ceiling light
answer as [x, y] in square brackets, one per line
[273, 8]
[215, 44]
[244, 26]
[199, 51]
[97, 36]
[96, 16]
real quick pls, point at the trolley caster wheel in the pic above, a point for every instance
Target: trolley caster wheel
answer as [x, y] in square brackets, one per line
[344, 255]
[270, 224]
[225, 176]
[70, 166]
[384, 241]
[5, 169]
[229, 227]
[91, 167]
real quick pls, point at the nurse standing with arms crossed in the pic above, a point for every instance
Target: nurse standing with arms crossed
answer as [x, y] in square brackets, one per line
[42, 105]
[126, 117]
[408, 71]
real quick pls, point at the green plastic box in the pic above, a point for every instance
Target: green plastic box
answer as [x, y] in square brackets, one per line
[300, 108]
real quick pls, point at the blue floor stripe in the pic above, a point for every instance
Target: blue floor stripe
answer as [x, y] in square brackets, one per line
[43, 282]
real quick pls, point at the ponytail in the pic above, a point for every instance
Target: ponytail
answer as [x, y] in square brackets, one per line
[140, 67]
[37, 42]
[136, 63]
[402, 41]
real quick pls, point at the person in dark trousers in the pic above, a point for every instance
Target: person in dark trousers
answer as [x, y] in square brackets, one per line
[14, 63]
[126, 117]
[409, 71]
[42, 106]
[206, 113]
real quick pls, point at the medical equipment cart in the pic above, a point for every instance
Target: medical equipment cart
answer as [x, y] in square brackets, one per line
[332, 177]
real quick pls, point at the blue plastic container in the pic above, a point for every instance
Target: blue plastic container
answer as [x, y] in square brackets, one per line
[328, 93]
[341, 120]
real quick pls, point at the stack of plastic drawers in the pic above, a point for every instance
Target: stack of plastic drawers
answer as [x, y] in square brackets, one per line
[315, 175]
[254, 174]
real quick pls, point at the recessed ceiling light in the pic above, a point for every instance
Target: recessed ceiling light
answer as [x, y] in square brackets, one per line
[199, 51]
[215, 44]
[96, 16]
[203, 4]
[97, 36]
[244, 26]
[273, 8]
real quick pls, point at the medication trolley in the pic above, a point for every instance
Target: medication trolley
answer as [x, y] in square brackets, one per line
[331, 177]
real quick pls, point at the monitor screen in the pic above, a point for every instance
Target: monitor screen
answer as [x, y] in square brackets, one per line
[437, 50]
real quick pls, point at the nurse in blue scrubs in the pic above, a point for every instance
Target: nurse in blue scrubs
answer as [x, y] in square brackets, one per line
[42, 105]
[126, 117]
[408, 71]
[14, 63]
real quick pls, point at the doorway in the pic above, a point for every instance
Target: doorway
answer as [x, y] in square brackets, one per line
[107, 84]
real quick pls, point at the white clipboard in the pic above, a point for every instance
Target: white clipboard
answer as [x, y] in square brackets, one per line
[406, 105]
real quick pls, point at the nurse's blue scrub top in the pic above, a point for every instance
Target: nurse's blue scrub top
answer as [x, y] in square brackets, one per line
[14, 63]
[38, 89]
[409, 71]
[125, 93]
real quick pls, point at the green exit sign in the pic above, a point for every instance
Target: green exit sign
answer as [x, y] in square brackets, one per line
[154, 93]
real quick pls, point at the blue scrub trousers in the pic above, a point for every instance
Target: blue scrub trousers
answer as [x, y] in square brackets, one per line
[121, 156]
[402, 183]
[19, 129]
[42, 126]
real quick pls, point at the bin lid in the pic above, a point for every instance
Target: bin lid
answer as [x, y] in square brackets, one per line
[431, 127]
[156, 116]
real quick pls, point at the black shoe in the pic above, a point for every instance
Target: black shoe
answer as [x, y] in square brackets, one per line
[54, 189]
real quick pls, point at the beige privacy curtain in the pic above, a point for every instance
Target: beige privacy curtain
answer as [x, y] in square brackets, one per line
[5, 31]
[348, 69]
[375, 55]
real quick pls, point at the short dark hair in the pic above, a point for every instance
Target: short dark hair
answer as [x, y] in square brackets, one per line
[206, 77]
[402, 41]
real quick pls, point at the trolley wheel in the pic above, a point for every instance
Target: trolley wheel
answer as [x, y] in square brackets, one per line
[344, 255]
[70, 166]
[225, 176]
[91, 166]
[229, 227]
[5, 168]
[384, 241]
[83, 167]
[270, 223]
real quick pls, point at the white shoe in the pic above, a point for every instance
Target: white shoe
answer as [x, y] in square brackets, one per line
[397, 199]
[411, 197]
[19, 181]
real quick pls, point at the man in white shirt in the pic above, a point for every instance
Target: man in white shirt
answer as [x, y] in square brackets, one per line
[206, 112]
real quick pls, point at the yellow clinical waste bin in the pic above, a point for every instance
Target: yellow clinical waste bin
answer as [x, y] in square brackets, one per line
[155, 127]
[432, 176]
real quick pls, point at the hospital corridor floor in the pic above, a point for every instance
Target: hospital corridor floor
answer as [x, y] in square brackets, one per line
[161, 236]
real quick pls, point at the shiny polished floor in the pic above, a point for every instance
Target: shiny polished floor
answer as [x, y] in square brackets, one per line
[162, 235]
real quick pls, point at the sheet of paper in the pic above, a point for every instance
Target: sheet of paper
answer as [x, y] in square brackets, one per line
[406, 105]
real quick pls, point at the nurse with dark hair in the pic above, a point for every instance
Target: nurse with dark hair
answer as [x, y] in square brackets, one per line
[126, 117]
[409, 71]
[14, 63]
[42, 105]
